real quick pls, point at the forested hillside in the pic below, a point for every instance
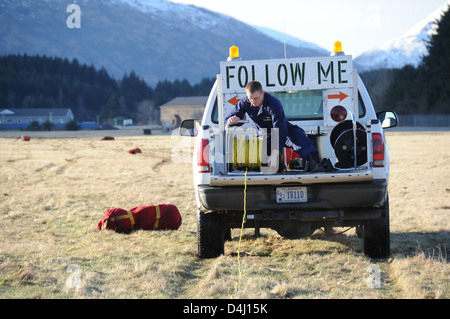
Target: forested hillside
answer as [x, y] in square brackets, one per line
[40, 81]
[158, 39]
[425, 89]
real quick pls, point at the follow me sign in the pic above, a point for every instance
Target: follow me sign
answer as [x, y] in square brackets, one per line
[288, 74]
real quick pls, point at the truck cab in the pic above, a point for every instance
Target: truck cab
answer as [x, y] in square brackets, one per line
[238, 183]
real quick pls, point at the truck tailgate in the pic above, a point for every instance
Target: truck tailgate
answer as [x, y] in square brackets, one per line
[278, 179]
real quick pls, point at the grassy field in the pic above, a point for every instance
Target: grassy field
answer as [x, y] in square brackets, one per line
[54, 189]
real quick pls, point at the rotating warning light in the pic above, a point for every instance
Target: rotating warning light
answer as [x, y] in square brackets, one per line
[234, 53]
[337, 48]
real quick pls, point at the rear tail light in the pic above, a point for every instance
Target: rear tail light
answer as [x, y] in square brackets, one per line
[378, 150]
[203, 156]
[338, 113]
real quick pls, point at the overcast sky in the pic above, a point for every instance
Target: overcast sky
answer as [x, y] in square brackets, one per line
[359, 24]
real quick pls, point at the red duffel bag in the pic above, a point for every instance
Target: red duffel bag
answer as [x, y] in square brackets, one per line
[162, 216]
[117, 219]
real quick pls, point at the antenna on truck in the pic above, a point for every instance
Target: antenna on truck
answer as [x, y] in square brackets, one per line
[284, 30]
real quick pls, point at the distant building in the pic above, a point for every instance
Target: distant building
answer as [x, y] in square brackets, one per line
[20, 118]
[182, 108]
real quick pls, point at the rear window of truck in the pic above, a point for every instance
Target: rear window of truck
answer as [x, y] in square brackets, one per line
[301, 105]
[298, 105]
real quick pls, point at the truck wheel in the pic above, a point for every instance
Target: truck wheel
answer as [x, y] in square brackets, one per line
[210, 234]
[376, 235]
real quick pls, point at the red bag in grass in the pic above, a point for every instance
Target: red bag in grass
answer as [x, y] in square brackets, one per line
[117, 219]
[135, 150]
[162, 216]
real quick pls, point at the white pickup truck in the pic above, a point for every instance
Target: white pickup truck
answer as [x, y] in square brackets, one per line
[236, 185]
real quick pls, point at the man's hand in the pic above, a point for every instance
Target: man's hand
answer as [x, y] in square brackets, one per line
[273, 158]
[272, 163]
[233, 120]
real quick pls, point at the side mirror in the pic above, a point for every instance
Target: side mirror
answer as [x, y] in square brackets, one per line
[189, 128]
[387, 119]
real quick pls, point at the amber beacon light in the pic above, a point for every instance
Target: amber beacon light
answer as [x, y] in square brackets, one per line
[337, 48]
[234, 53]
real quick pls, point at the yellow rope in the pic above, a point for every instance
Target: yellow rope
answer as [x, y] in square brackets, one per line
[236, 287]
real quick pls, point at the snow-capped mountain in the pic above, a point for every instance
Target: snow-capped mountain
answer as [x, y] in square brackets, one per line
[186, 13]
[408, 49]
[158, 39]
[162, 40]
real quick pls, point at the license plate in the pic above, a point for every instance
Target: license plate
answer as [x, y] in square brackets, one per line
[291, 195]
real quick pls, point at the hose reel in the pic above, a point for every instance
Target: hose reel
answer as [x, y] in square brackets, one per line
[343, 138]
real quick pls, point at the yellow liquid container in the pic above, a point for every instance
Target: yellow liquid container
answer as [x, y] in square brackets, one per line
[246, 152]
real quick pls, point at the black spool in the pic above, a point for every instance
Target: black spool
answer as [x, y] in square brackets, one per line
[341, 139]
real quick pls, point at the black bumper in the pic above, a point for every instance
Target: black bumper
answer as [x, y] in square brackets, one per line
[330, 196]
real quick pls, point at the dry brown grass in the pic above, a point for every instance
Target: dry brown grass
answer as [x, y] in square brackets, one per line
[54, 190]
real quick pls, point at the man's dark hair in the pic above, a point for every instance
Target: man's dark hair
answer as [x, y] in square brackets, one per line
[253, 86]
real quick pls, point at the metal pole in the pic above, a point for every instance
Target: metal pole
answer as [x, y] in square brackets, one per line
[354, 138]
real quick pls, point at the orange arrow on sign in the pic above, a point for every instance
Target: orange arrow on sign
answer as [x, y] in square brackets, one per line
[341, 96]
[233, 100]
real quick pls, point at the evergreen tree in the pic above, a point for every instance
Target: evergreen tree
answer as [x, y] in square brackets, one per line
[163, 92]
[134, 90]
[405, 94]
[425, 89]
[41, 81]
[436, 66]
[112, 107]
[203, 88]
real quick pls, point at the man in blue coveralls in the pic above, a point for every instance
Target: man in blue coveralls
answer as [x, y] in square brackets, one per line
[267, 112]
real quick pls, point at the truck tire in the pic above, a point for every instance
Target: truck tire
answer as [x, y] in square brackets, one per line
[376, 235]
[210, 234]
